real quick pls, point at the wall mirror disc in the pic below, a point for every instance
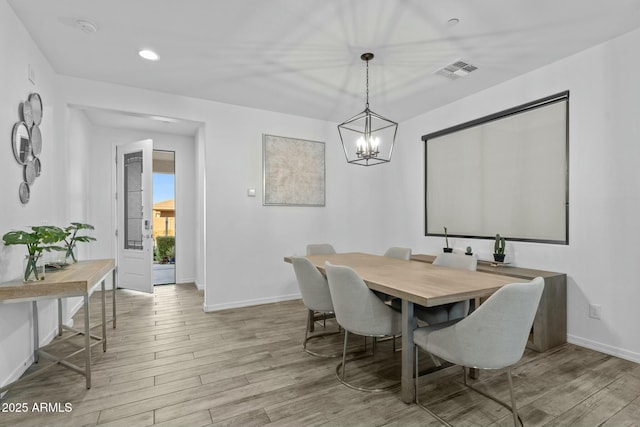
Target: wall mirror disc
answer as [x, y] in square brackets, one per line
[37, 166]
[30, 173]
[21, 140]
[36, 140]
[25, 113]
[36, 107]
[24, 193]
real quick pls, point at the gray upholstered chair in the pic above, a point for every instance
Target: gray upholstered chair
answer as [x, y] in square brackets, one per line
[315, 296]
[320, 249]
[359, 312]
[456, 310]
[492, 337]
[400, 253]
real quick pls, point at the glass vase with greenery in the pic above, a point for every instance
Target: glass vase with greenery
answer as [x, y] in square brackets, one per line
[41, 238]
[71, 238]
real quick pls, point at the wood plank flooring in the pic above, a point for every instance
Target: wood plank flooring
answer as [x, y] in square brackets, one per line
[170, 364]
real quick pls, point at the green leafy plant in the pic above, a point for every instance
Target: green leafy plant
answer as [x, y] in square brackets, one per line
[499, 245]
[41, 238]
[165, 245]
[71, 237]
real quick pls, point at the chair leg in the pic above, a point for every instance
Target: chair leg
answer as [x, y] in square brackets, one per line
[307, 338]
[513, 399]
[516, 418]
[309, 326]
[344, 352]
[435, 360]
[417, 391]
[341, 370]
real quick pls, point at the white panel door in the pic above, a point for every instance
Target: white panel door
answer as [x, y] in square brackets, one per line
[134, 200]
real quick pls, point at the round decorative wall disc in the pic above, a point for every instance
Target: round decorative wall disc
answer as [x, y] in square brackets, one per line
[30, 173]
[21, 140]
[36, 107]
[25, 110]
[36, 140]
[37, 166]
[24, 193]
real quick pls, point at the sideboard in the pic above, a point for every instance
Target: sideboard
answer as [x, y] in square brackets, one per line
[549, 328]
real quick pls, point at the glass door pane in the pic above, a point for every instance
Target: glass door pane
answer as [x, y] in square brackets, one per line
[133, 201]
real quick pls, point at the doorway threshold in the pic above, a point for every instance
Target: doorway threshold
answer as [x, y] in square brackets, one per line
[164, 274]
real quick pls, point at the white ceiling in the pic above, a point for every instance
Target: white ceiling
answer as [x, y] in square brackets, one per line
[303, 56]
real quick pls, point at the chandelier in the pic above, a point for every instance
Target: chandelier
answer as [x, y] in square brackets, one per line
[367, 138]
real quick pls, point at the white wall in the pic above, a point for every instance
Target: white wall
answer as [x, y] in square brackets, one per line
[604, 131]
[52, 201]
[244, 241]
[101, 187]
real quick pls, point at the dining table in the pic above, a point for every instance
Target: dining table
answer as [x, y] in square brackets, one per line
[413, 282]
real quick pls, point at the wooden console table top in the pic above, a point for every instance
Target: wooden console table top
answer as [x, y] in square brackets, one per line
[75, 279]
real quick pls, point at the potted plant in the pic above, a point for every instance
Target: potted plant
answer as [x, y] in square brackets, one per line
[41, 238]
[499, 248]
[165, 245]
[171, 253]
[72, 238]
[446, 240]
[469, 251]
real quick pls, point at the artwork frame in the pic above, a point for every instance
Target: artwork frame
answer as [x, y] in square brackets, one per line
[293, 172]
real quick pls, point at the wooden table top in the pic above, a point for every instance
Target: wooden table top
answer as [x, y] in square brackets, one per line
[75, 279]
[416, 281]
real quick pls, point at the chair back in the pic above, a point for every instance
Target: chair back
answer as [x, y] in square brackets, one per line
[320, 249]
[357, 308]
[460, 261]
[313, 286]
[400, 253]
[495, 335]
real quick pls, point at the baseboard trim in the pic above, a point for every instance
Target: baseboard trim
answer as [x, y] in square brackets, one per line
[604, 348]
[26, 363]
[17, 373]
[248, 303]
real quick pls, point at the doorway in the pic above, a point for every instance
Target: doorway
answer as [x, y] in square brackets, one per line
[164, 218]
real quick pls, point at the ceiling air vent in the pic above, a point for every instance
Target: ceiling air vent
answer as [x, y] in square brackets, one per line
[456, 69]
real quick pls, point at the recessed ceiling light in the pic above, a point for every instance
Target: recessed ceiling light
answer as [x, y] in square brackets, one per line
[86, 26]
[149, 54]
[453, 22]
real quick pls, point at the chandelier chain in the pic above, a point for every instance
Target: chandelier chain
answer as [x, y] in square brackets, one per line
[367, 84]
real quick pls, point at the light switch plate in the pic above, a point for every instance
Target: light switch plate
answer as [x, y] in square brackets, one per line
[251, 192]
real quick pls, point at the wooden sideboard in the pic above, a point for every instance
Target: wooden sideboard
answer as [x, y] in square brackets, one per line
[549, 328]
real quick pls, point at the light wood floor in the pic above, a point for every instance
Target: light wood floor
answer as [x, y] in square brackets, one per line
[169, 363]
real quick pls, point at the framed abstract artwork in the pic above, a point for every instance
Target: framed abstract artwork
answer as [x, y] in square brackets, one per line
[293, 171]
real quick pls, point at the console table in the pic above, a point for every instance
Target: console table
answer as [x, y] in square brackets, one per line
[79, 279]
[549, 328]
